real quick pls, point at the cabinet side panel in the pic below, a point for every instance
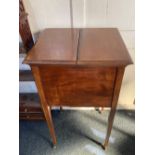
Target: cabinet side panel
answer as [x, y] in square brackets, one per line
[78, 86]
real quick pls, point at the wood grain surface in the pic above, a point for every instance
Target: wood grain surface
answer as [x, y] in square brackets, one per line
[78, 86]
[55, 46]
[102, 46]
[89, 46]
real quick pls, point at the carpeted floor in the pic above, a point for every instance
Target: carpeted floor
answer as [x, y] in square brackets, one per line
[79, 133]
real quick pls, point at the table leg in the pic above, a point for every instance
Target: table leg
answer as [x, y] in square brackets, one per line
[116, 90]
[49, 120]
[110, 124]
[46, 108]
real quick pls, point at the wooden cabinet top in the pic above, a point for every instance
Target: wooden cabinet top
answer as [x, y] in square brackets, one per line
[88, 46]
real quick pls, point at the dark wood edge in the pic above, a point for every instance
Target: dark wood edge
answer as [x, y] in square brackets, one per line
[42, 62]
[80, 63]
[117, 85]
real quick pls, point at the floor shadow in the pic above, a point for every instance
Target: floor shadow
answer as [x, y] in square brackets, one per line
[122, 113]
[72, 130]
[127, 146]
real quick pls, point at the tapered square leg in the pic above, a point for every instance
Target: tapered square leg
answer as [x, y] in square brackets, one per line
[45, 106]
[109, 128]
[49, 121]
[117, 86]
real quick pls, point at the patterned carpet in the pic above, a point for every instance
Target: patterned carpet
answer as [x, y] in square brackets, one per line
[79, 132]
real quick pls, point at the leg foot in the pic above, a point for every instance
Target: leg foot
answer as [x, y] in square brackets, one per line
[110, 124]
[49, 121]
[104, 147]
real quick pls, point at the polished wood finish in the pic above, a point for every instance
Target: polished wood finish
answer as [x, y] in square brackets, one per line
[45, 106]
[79, 67]
[102, 46]
[55, 46]
[116, 90]
[89, 46]
[64, 85]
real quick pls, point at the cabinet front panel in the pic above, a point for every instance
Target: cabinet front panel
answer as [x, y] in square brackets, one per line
[78, 86]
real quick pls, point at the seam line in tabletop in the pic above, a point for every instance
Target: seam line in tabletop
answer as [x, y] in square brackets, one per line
[78, 46]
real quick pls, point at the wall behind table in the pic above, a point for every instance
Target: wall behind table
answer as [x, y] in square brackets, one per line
[89, 13]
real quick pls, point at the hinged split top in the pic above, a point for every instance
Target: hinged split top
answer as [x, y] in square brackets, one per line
[88, 46]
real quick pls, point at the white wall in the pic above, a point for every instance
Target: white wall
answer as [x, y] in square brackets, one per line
[89, 13]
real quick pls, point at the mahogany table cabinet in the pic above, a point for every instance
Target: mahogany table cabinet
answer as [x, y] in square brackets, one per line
[78, 68]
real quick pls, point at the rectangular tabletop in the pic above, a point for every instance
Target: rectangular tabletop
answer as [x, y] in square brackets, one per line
[97, 46]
